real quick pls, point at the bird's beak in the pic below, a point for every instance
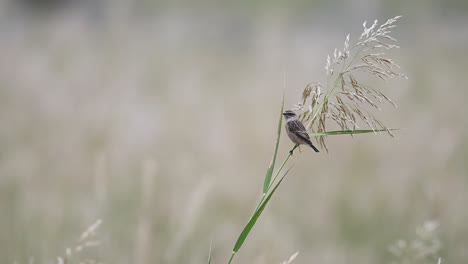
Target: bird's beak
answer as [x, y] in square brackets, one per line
[284, 113]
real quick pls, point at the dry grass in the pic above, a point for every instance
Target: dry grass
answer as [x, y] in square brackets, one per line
[424, 248]
[345, 98]
[87, 240]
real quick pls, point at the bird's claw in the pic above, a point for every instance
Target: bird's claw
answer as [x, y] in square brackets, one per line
[292, 150]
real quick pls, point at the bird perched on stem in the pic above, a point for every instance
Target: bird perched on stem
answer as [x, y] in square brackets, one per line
[296, 131]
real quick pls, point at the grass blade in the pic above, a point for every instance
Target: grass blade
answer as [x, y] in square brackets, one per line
[350, 132]
[209, 253]
[269, 172]
[245, 232]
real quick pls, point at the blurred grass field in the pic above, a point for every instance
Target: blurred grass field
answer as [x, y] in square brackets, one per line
[160, 120]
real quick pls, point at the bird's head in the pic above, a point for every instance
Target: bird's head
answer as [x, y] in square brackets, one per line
[288, 114]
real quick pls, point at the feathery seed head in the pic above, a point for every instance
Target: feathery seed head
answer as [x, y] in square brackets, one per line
[349, 106]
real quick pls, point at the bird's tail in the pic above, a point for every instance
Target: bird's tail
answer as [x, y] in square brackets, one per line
[312, 146]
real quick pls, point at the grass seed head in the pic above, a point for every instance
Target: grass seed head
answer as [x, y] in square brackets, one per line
[350, 104]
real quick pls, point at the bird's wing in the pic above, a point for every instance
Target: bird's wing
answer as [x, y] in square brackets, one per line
[298, 129]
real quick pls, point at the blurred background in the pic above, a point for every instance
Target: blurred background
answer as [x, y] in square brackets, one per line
[159, 117]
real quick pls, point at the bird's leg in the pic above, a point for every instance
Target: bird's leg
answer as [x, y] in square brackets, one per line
[292, 150]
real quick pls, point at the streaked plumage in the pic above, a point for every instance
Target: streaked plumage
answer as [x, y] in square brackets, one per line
[296, 130]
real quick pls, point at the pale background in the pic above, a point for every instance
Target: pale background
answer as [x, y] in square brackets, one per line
[159, 118]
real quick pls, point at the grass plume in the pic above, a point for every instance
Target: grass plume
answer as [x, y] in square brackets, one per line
[424, 248]
[87, 240]
[344, 98]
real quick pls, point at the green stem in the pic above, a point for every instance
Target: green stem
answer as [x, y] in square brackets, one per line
[232, 257]
[277, 173]
[272, 181]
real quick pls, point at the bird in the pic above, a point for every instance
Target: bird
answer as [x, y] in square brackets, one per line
[296, 131]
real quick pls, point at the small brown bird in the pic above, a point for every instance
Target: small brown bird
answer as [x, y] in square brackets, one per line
[296, 131]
